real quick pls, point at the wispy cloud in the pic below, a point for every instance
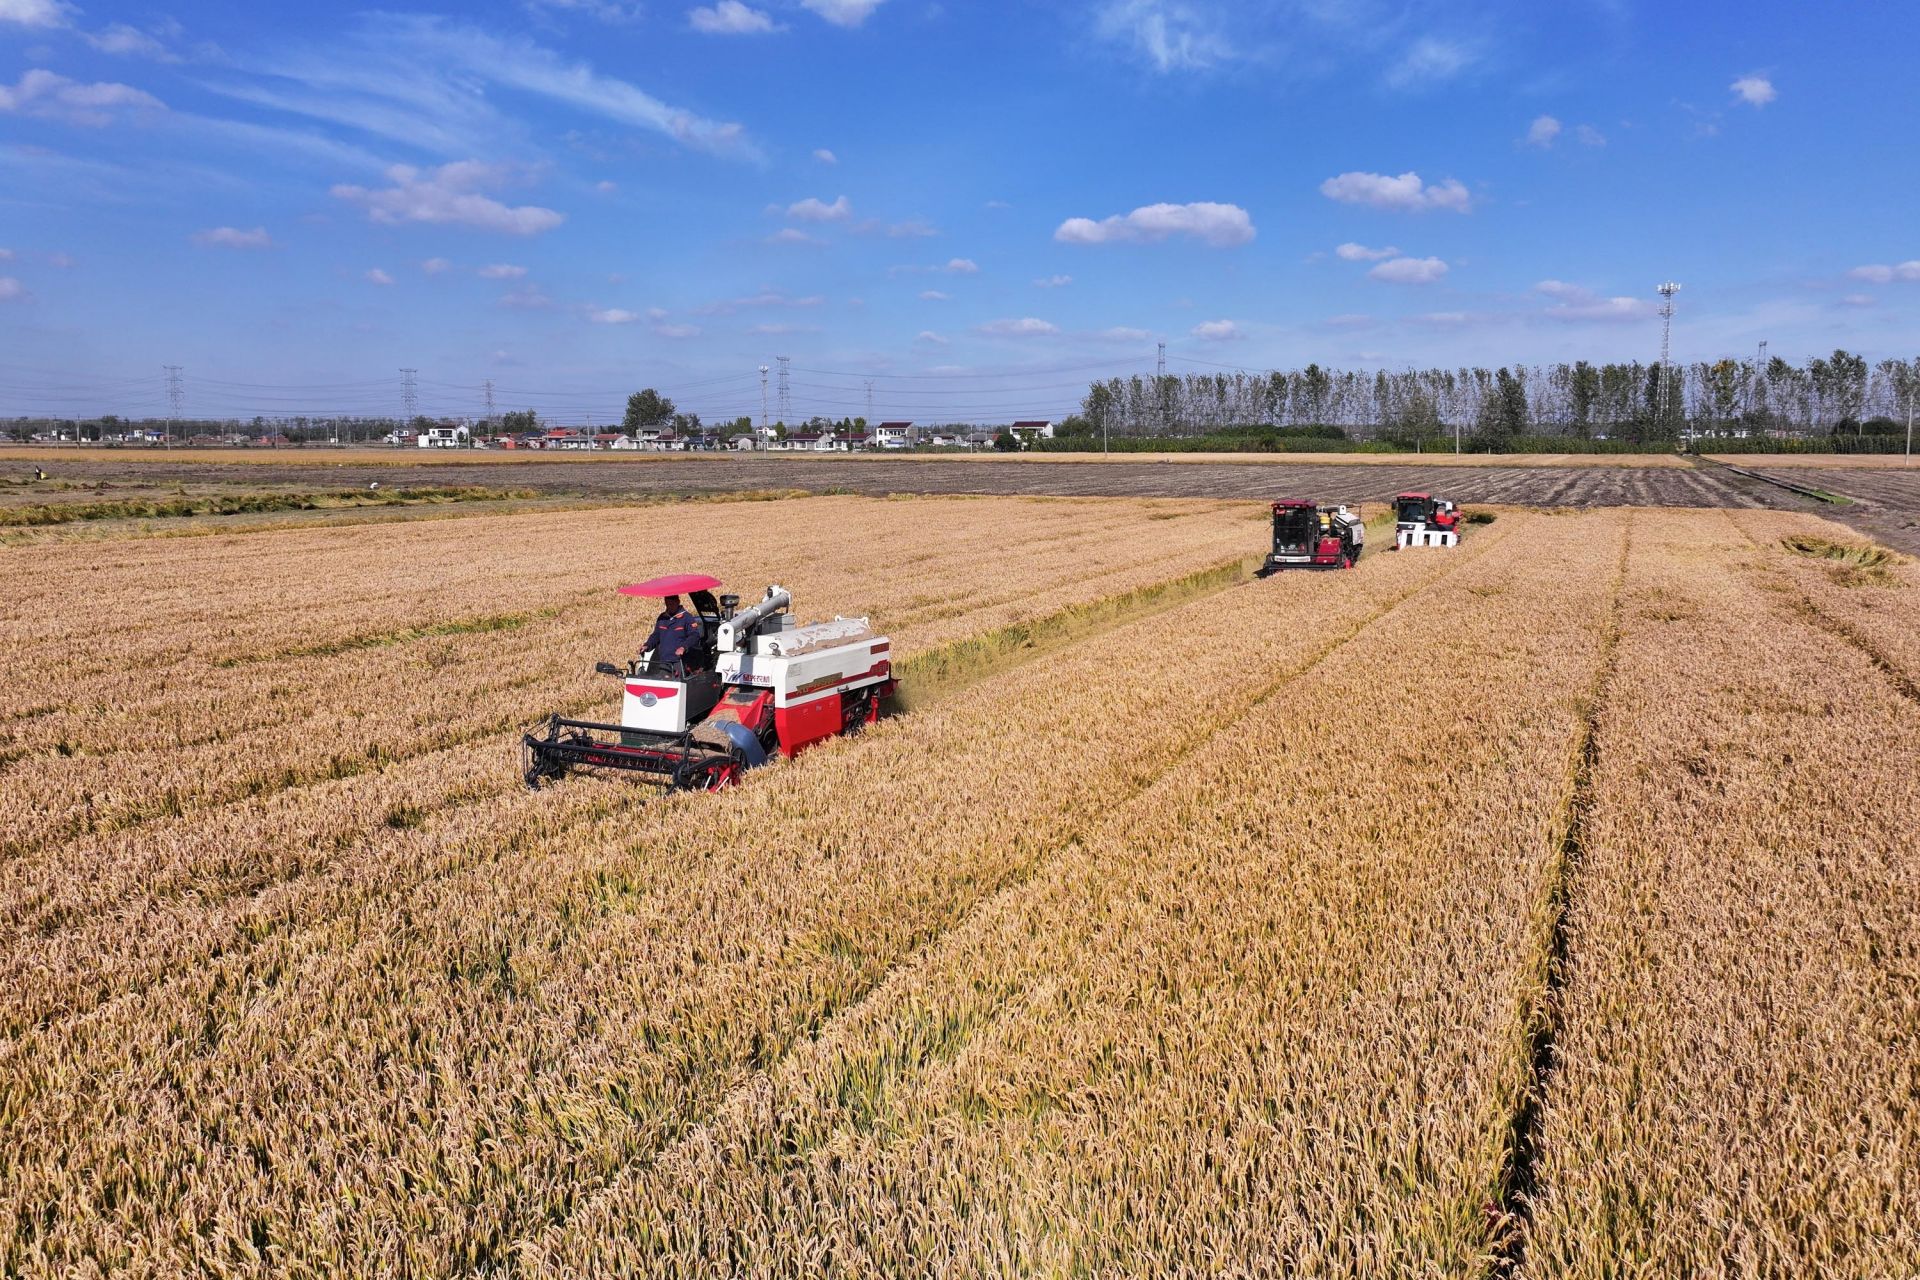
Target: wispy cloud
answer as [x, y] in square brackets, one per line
[1543, 131]
[1217, 331]
[1053, 282]
[1025, 327]
[1123, 333]
[1887, 273]
[611, 315]
[379, 277]
[53, 96]
[1410, 271]
[814, 209]
[234, 238]
[434, 266]
[11, 290]
[1351, 252]
[502, 271]
[1218, 225]
[933, 295]
[451, 194]
[730, 18]
[843, 13]
[1166, 35]
[930, 337]
[1574, 302]
[825, 156]
[1406, 193]
[120, 39]
[1431, 60]
[793, 235]
[36, 13]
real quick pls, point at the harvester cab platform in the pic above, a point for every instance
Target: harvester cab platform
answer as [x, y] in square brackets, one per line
[1308, 536]
[1422, 520]
[752, 684]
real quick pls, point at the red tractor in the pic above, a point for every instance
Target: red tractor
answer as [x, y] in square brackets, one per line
[1307, 536]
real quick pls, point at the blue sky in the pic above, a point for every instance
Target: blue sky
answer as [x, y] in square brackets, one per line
[976, 206]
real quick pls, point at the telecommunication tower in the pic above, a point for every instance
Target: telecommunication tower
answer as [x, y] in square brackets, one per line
[763, 400]
[1667, 291]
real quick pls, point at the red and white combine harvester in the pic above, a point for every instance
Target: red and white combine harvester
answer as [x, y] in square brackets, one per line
[1306, 536]
[753, 683]
[1422, 520]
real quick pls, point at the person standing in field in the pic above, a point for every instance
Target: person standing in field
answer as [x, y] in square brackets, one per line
[674, 632]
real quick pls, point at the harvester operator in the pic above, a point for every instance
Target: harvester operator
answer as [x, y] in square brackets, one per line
[674, 632]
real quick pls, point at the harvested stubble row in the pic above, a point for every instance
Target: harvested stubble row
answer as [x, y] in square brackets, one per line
[1735, 1082]
[1268, 1017]
[119, 743]
[418, 1081]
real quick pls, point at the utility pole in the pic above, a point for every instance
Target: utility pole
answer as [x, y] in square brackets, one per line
[786, 392]
[1667, 291]
[176, 396]
[763, 402]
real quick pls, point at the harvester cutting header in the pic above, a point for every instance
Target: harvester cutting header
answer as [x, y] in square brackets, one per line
[720, 688]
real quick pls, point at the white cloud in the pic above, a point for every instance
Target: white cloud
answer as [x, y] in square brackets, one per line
[793, 235]
[1053, 282]
[234, 238]
[1882, 273]
[119, 38]
[1409, 270]
[1121, 333]
[611, 315]
[929, 336]
[813, 209]
[730, 18]
[1579, 303]
[1754, 90]
[1349, 320]
[932, 295]
[1588, 136]
[36, 13]
[1445, 319]
[1351, 252]
[1217, 331]
[765, 298]
[1168, 35]
[1219, 225]
[606, 186]
[677, 331]
[377, 276]
[502, 271]
[961, 267]
[449, 195]
[781, 329]
[434, 266]
[54, 97]
[11, 290]
[825, 156]
[6, 255]
[1543, 131]
[843, 13]
[60, 261]
[1431, 60]
[1027, 327]
[1406, 192]
[1857, 300]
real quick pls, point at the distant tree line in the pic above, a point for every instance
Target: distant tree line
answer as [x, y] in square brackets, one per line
[1507, 407]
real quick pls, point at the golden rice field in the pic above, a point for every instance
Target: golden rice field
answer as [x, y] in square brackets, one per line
[1548, 907]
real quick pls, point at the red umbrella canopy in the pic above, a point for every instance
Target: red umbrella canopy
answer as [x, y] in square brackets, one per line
[671, 584]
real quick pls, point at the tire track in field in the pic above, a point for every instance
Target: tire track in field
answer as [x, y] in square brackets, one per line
[873, 988]
[1510, 1220]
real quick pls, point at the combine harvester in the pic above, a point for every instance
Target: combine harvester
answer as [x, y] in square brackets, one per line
[1422, 520]
[1306, 536]
[755, 684]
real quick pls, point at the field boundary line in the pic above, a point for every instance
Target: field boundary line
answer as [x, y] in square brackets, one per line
[918, 955]
[1510, 1220]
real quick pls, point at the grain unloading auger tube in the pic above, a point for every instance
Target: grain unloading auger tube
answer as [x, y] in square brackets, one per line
[1309, 536]
[753, 683]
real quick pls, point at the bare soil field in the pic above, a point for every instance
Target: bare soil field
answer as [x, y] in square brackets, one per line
[1663, 485]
